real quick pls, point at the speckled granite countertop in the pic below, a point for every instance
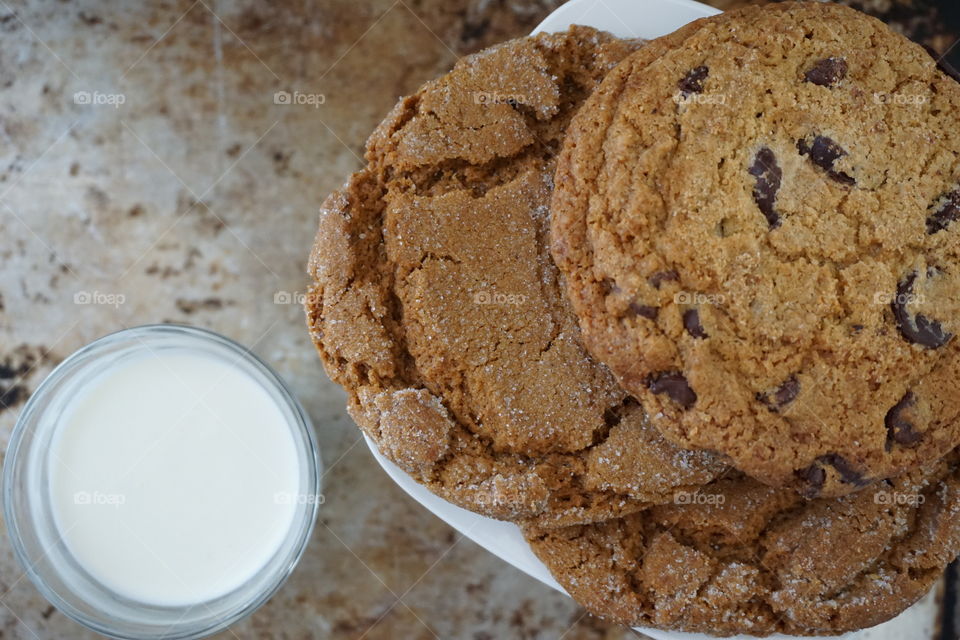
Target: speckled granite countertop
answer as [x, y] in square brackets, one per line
[149, 172]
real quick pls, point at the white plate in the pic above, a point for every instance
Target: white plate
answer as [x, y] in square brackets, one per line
[636, 19]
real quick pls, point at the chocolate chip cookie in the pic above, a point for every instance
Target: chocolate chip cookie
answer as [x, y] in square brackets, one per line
[759, 233]
[742, 557]
[935, 24]
[436, 304]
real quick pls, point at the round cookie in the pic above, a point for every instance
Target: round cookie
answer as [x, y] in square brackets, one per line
[758, 236]
[436, 304]
[742, 557]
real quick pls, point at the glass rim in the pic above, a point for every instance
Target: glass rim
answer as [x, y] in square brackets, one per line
[305, 441]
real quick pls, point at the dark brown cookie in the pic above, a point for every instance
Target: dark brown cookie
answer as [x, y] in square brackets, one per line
[740, 557]
[758, 232]
[437, 307]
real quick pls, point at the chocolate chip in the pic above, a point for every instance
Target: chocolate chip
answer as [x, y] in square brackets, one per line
[900, 430]
[608, 286]
[693, 81]
[788, 391]
[847, 472]
[782, 396]
[676, 387]
[947, 210]
[918, 329]
[663, 276]
[691, 322]
[827, 72]
[644, 311]
[769, 175]
[814, 477]
[824, 153]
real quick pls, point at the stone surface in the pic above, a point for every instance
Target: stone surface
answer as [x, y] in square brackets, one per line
[195, 200]
[97, 200]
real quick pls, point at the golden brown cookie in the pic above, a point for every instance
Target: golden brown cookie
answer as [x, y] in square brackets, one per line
[741, 557]
[436, 304]
[935, 24]
[758, 235]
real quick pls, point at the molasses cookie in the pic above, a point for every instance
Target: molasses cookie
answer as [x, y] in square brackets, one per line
[759, 233]
[436, 304]
[741, 557]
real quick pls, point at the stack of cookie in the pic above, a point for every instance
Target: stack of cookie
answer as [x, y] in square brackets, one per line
[684, 310]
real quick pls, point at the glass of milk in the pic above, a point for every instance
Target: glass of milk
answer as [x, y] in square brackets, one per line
[161, 482]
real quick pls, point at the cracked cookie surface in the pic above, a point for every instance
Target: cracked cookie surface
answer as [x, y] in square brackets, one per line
[742, 557]
[759, 236]
[436, 304]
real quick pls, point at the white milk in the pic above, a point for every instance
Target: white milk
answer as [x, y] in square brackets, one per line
[173, 477]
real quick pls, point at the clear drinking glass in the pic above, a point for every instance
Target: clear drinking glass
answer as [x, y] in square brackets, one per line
[45, 557]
